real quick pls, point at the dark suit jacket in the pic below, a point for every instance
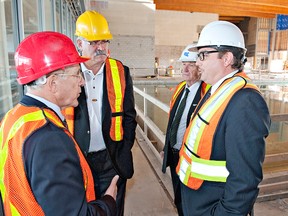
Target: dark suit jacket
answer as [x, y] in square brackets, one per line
[120, 151]
[53, 168]
[240, 141]
[167, 149]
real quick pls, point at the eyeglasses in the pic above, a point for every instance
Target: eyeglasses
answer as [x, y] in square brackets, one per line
[98, 42]
[78, 76]
[202, 55]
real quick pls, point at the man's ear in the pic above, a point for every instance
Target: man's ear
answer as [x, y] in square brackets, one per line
[52, 83]
[228, 59]
[79, 45]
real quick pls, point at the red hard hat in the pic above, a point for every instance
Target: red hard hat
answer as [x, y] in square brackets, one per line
[43, 52]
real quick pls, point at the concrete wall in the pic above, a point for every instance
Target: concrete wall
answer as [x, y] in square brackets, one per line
[141, 33]
[174, 30]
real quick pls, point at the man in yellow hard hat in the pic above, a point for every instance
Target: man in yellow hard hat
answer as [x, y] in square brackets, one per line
[104, 122]
[42, 169]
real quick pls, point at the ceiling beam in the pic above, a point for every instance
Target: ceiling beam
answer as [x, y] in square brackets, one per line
[221, 12]
[267, 9]
[239, 18]
[232, 19]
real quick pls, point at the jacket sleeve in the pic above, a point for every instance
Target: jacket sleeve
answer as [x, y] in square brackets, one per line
[246, 124]
[53, 170]
[129, 122]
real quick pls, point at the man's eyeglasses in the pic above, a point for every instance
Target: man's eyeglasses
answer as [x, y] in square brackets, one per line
[202, 55]
[98, 42]
[78, 76]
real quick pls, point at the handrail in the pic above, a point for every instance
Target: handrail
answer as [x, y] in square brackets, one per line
[153, 100]
[165, 107]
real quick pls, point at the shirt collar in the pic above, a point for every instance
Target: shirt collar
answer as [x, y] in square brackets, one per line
[87, 71]
[194, 85]
[217, 84]
[48, 104]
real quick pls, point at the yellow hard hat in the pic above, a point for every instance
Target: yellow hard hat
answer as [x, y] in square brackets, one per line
[92, 26]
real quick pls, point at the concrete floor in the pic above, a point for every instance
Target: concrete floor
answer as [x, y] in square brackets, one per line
[147, 196]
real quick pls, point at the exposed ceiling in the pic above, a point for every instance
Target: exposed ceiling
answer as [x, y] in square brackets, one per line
[230, 10]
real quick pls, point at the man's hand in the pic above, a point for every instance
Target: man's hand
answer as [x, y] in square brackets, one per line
[112, 189]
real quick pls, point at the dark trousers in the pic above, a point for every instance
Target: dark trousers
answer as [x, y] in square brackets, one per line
[176, 182]
[103, 172]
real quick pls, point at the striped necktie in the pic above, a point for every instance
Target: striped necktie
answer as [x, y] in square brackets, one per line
[177, 118]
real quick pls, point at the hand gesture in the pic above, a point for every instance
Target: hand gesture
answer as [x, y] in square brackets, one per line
[112, 189]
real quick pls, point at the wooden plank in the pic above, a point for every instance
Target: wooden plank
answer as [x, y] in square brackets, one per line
[265, 8]
[227, 11]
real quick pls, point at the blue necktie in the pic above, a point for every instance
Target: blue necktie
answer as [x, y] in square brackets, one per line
[177, 118]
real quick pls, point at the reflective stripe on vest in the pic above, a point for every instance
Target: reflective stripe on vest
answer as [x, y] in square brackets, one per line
[116, 85]
[194, 164]
[69, 117]
[177, 91]
[16, 126]
[115, 80]
[180, 87]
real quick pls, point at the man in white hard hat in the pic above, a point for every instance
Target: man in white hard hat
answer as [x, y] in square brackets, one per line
[184, 100]
[220, 165]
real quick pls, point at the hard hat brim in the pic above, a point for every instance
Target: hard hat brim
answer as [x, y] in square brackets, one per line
[193, 48]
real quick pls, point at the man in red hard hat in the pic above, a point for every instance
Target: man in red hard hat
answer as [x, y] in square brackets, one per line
[42, 169]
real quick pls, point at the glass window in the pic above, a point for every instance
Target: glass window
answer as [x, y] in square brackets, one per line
[31, 19]
[9, 94]
[48, 15]
[30, 16]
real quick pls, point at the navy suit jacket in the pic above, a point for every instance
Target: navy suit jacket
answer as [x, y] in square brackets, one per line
[120, 151]
[240, 141]
[54, 172]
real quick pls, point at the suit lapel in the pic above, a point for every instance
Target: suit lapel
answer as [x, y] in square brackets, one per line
[174, 108]
[105, 101]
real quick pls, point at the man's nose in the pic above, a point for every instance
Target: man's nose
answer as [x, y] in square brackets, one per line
[82, 81]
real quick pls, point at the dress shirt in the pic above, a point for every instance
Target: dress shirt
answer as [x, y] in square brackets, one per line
[94, 94]
[217, 84]
[182, 125]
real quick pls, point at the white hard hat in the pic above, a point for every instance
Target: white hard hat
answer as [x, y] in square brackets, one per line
[188, 55]
[219, 33]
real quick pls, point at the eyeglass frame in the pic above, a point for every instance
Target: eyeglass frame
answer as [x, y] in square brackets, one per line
[97, 42]
[202, 55]
[78, 75]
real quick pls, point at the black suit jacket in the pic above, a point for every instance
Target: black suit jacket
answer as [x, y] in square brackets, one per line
[120, 151]
[167, 149]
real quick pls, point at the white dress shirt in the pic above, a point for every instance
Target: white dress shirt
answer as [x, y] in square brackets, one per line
[94, 95]
[182, 125]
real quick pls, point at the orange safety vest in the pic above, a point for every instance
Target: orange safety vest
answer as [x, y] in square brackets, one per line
[18, 124]
[180, 87]
[116, 84]
[194, 164]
